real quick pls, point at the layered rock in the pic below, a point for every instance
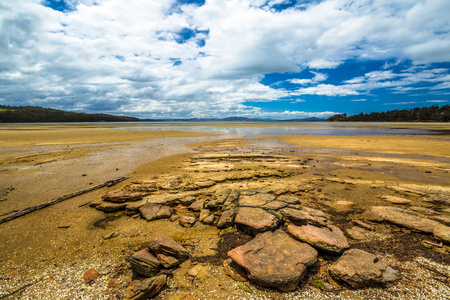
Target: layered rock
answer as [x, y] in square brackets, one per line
[274, 259]
[360, 269]
[167, 246]
[144, 263]
[145, 289]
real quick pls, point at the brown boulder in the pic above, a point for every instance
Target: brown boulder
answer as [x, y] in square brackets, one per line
[144, 263]
[360, 269]
[150, 211]
[122, 196]
[274, 259]
[330, 239]
[255, 220]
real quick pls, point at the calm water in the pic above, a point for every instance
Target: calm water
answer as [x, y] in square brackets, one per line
[300, 128]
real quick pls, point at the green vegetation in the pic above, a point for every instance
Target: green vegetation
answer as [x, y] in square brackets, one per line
[35, 114]
[419, 114]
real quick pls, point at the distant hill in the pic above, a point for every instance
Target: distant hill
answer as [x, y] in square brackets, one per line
[36, 114]
[433, 113]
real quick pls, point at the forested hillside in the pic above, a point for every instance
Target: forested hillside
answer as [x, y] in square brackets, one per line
[35, 114]
[419, 114]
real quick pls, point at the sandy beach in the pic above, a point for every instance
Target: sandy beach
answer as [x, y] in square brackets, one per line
[43, 255]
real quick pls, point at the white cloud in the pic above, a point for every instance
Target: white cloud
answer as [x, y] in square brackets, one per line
[127, 56]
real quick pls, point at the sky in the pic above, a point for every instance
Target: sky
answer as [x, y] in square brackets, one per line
[279, 59]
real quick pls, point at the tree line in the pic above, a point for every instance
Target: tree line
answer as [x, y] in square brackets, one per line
[432, 113]
[36, 114]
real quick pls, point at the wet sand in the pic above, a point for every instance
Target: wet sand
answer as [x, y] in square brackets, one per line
[53, 247]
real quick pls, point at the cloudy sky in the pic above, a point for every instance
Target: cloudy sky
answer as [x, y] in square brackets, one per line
[278, 59]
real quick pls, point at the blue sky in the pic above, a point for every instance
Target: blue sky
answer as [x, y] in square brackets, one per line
[279, 59]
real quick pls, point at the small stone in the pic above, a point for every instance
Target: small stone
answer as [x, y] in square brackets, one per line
[442, 233]
[144, 263]
[209, 220]
[90, 275]
[197, 205]
[227, 219]
[204, 213]
[198, 271]
[145, 289]
[356, 233]
[187, 221]
[304, 215]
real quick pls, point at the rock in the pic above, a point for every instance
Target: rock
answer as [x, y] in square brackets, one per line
[258, 200]
[274, 259]
[183, 296]
[144, 263]
[168, 261]
[145, 186]
[167, 246]
[356, 233]
[187, 221]
[209, 220]
[275, 205]
[232, 199]
[444, 219]
[395, 200]
[122, 196]
[188, 200]
[133, 207]
[404, 218]
[90, 275]
[111, 207]
[227, 218]
[304, 216]
[152, 211]
[330, 239]
[204, 213]
[371, 216]
[164, 199]
[360, 269]
[233, 270]
[197, 205]
[255, 220]
[442, 233]
[198, 271]
[289, 199]
[145, 289]
[204, 183]
[345, 203]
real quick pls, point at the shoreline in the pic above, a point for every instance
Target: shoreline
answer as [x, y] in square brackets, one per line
[41, 245]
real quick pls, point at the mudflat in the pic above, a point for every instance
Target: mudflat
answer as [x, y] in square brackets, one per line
[46, 253]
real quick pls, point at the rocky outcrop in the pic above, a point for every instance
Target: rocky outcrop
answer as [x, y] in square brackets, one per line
[144, 263]
[255, 220]
[330, 239]
[360, 269]
[150, 211]
[401, 217]
[122, 196]
[274, 259]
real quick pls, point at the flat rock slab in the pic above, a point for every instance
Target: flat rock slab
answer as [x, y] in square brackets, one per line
[289, 199]
[144, 263]
[395, 199]
[167, 246]
[151, 211]
[187, 221]
[255, 220]
[304, 215]
[274, 259]
[360, 269]
[405, 218]
[330, 239]
[257, 200]
[169, 200]
[122, 196]
[111, 207]
[275, 205]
